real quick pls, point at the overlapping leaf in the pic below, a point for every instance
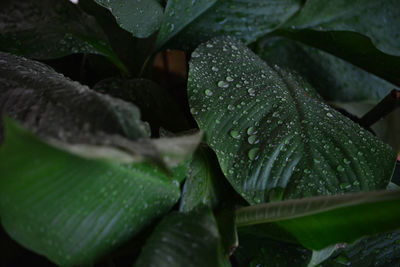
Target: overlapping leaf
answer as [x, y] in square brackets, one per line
[188, 23]
[140, 17]
[334, 78]
[71, 209]
[273, 136]
[184, 239]
[47, 29]
[319, 222]
[377, 20]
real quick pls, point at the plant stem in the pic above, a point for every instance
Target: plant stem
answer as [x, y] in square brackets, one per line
[383, 108]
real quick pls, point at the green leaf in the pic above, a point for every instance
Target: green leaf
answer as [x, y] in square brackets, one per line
[47, 29]
[205, 183]
[38, 96]
[125, 45]
[184, 239]
[375, 19]
[71, 209]
[141, 18]
[155, 103]
[255, 250]
[352, 47]
[318, 222]
[273, 135]
[188, 23]
[334, 78]
[380, 250]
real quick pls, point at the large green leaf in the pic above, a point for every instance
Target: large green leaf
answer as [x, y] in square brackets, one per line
[155, 103]
[184, 239]
[273, 135]
[71, 209]
[189, 23]
[378, 20]
[47, 29]
[140, 17]
[55, 107]
[352, 47]
[334, 78]
[318, 222]
[381, 250]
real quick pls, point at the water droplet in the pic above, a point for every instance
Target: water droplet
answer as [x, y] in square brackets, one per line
[214, 68]
[229, 78]
[195, 54]
[251, 130]
[346, 161]
[356, 183]
[360, 153]
[340, 168]
[222, 84]
[317, 161]
[251, 91]
[253, 153]
[252, 139]
[234, 47]
[345, 186]
[235, 134]
[329, 115]
[231, 107]
[208, 92]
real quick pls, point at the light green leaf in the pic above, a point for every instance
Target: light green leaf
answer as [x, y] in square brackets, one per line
[74, 210]
[273, 135]
[334, 78]
[188, 23]
[318, 222]
[140, 17]
[184, 239]
[378, 20]
[47, 29]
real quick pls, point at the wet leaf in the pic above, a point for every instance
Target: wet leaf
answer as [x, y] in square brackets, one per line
[273, 135]
[188, 23]
[140, 17]
[184, 239]
[322, 221]
[48, 29]
[71, 209]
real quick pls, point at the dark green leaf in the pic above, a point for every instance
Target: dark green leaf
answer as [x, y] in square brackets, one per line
[184, 239]
[273, 136]
[55, 107]
[71, 209]
[140, 17]
[334, 78]
[352, 47]
[125, 45]
[318, 222]
[205, 183]
[377, 20]
[381, 250]
[260, 251]
[52, 105]
[155, 103]
[47, 29]
[189, 23]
